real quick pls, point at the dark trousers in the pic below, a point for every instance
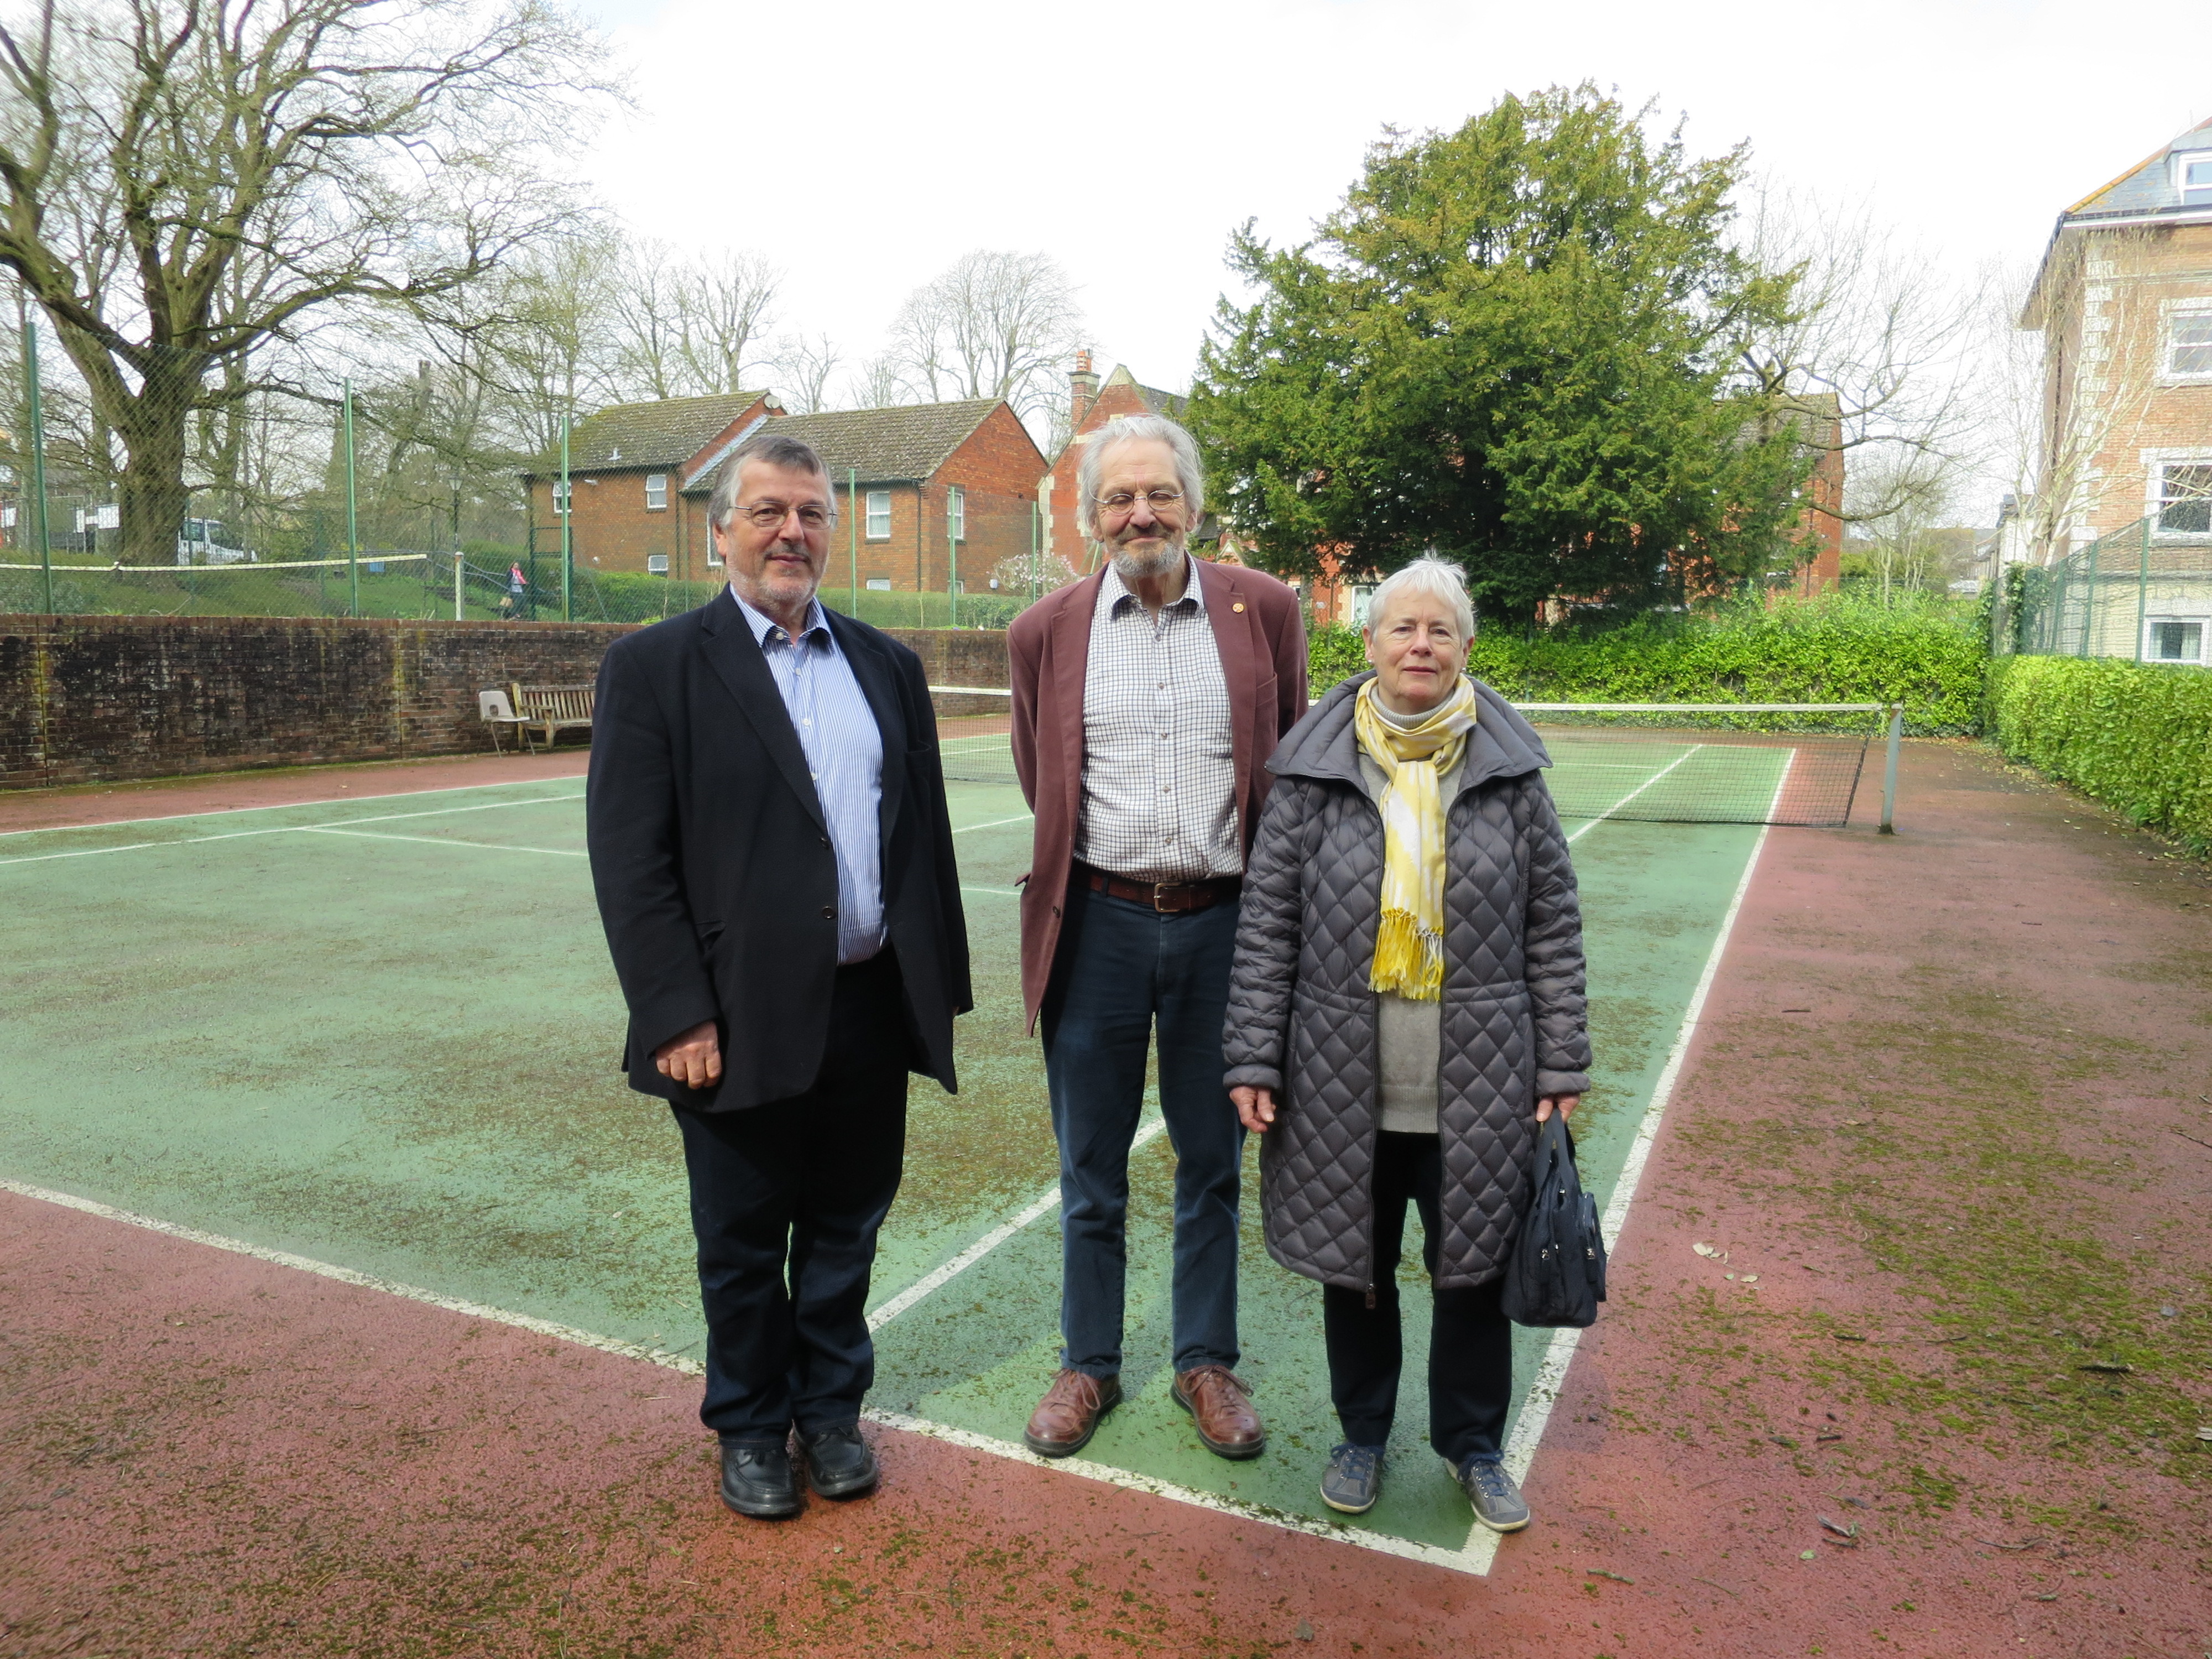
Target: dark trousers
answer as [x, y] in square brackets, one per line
[785, 1201]
[1470, 1341]
[1123, 969]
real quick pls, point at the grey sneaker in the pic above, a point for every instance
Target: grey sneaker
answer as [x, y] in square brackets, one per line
[1353, 1479]
[1497, 1502]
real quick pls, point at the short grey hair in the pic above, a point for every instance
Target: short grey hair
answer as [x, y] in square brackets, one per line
[771, 449]
[1134, 429]
[1427, 574]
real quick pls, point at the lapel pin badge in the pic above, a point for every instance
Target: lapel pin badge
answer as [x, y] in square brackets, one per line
[1239, 605]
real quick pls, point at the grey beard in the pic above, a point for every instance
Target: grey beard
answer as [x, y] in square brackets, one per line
[1133, 567]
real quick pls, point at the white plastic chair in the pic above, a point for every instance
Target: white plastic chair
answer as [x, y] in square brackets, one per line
[495, 710]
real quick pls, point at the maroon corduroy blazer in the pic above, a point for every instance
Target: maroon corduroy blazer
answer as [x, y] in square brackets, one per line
[1262, 635]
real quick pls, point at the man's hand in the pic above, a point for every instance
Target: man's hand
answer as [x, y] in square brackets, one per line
[1566, 1103]
[1256, 1108]
[693, 1059]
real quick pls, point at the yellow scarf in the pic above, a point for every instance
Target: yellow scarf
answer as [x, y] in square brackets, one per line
[1409, 949]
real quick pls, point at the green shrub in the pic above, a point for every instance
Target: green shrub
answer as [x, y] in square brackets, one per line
[2136, 736]
[1836, 648]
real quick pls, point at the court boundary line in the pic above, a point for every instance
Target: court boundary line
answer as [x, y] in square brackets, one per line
[279, 806]
[1550, 1377]
[1645, 785]
[1127, 1479]
[285, 829]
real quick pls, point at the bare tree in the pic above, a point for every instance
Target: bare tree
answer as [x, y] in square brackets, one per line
[1877, 327]
[995, 324]
[805, 363]
[1896, 500]
[548, 334]
[648, 305]
[879, 383]
[186, 179]
[728, 303]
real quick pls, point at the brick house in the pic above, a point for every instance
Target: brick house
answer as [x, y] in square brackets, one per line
[925, 474]
[625, 465]
[2123, 300]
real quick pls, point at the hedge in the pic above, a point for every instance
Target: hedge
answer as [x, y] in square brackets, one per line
[2136, 736]
[1833, 649]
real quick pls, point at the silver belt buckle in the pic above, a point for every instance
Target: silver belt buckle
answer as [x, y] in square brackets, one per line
[1159, 890]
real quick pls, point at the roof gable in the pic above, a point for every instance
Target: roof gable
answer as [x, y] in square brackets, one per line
[666, 431]
[2151, 187]
[897, 445]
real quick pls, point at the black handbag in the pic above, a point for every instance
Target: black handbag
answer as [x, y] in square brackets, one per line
[1557, 1275]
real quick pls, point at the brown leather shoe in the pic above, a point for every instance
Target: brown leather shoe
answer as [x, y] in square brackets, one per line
[1220, 1405]
[1069, 1413]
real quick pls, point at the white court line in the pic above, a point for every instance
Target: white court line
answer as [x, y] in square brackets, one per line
[1001, 892]
[1560, 1353]
[281, 829]
[275, 807]
[439, 841]
[1018, 817]
[1044, 1204]
[1639, 790]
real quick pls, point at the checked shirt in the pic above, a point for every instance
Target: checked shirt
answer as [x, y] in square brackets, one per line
[1159, 770]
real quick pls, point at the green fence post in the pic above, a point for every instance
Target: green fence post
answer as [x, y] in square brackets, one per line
[852, 530]
[1033, 552]
[36, 505]
[951, 560]
[2089, 610]
[2142, 590]
[353, 519]
[567, 505]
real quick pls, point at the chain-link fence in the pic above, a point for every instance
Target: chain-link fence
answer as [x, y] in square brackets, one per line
[2143, 593]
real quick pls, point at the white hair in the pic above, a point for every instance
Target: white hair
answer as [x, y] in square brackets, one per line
[1427, 574]
[1129, 429]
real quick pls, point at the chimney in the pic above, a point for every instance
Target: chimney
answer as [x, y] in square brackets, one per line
[1082, 392]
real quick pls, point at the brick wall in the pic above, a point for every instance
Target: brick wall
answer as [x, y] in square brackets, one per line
[87, 699]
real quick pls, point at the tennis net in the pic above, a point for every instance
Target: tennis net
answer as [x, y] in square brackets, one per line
[1744, 762]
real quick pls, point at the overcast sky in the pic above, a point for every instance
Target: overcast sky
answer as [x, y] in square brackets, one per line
[865, 145]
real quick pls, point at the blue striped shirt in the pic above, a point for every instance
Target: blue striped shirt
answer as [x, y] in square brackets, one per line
[844, 756]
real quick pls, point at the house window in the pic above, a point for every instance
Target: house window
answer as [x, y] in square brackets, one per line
[2184, 498]
[2189, 343]
[561, 489]
[879, 584]
[2192, 175]
[879, 515]
[656, 492]
[955, 513]
[2173, 638]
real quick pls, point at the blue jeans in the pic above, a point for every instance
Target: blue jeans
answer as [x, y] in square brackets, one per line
[1123, 968]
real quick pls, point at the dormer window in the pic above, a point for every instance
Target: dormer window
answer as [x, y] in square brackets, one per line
[2192, 175]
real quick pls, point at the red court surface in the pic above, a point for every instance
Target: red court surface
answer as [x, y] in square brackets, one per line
[1948, 1104]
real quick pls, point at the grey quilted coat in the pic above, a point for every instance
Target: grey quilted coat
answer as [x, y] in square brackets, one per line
[1302, 1020]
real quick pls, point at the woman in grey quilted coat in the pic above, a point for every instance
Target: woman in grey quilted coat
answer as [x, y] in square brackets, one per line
[1406, 1006]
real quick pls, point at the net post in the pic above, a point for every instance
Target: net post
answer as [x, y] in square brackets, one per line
[2142, 590]
[1889, 770]
[458, 616]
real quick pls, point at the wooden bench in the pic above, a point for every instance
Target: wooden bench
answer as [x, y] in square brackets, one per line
[549, 710]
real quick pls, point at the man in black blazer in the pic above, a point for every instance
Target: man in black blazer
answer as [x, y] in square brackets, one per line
[774, 863]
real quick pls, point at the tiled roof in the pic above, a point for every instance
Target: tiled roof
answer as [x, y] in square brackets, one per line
[665, 433]
[905, 442]
[2150, 187]
[1157, 401]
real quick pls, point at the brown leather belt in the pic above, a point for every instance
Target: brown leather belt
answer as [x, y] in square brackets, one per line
[1168, 897]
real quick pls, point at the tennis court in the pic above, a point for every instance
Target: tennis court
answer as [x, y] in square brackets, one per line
[381, 1035]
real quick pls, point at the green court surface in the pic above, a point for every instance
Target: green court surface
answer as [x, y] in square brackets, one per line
[383, 1035]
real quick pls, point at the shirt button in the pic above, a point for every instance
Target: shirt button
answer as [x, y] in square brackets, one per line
[829, 913]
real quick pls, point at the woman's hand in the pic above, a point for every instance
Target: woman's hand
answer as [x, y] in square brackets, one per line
[1256, 1108]
[1566, 1103]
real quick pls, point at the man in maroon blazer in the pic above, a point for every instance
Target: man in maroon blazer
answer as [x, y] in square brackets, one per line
[1146, 701]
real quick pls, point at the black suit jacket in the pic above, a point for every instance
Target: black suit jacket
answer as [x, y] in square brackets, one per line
[716, 879]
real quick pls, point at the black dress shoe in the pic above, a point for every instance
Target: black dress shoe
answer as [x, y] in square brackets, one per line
[757, 1481]
[839, 1463]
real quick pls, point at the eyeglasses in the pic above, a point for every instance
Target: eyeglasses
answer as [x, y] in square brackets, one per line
[1122, 501]
[770, 515]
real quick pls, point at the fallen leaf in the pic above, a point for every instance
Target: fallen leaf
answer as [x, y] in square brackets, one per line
[2204, 1430]
[1304, 1632]
[1710, 1251]
[1825, 1437]
[1991, 1543]
[1730, 1276]
[1600, 1572]
[1839, 1527]
[1751, 1279]
[2112, 1367]
[1807, 1555]
[1782, 1440]
[1847, 1336]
